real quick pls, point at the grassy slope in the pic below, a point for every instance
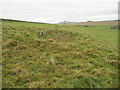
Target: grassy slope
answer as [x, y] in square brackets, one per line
[66, 56]
[98, 23]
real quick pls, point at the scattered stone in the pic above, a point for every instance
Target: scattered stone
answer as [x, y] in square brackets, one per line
[42, 33]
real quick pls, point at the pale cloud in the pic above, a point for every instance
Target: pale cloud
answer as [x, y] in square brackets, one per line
[54, 11]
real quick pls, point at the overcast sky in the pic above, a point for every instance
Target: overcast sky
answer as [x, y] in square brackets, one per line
[54, 11]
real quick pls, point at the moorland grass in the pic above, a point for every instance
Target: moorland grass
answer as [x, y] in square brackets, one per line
[67, 56]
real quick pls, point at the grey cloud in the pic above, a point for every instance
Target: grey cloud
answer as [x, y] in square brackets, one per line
[54, 11]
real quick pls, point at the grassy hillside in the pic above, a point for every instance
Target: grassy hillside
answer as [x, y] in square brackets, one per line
[98, 23]
[67, 56]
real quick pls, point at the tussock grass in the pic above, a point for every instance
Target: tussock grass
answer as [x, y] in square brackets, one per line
[67, 56]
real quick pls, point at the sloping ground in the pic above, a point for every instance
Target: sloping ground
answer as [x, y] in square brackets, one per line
[98, 23]
[65, 57]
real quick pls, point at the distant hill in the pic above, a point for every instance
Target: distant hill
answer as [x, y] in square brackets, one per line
[66, 22]
[112, 22]
[12, 20]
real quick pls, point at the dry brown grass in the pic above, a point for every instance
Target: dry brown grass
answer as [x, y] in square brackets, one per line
[98, 23]
[113, 62]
